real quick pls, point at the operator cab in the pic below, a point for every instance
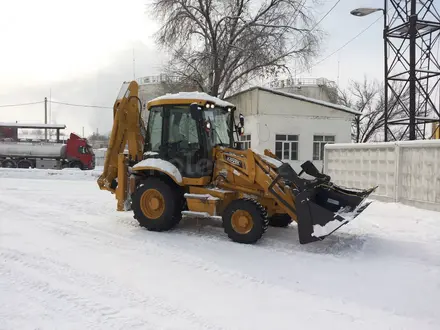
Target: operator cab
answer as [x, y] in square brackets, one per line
[185, 132]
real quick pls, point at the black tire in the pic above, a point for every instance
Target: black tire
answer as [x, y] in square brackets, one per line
[24, 164]
[170, 205]
[259, 221]
[9, 163]
[75, 165]
[280, 220]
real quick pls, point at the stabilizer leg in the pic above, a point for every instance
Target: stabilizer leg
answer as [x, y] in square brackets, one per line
[121, 189]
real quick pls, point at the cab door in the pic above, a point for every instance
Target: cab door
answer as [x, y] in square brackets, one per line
[185, 143]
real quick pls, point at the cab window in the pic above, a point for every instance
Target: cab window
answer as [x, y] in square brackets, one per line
[182, 127]
[154, 130]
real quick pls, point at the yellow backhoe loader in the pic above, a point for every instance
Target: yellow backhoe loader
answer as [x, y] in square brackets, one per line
[186, 162]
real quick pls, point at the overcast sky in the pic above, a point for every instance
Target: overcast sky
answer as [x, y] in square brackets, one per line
[81, 51]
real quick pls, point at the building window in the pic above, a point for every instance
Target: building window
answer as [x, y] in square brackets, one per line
[245, 141]
[286, 147]
[319, 141]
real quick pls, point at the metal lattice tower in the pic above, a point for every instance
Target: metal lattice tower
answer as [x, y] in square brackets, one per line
[412, 69]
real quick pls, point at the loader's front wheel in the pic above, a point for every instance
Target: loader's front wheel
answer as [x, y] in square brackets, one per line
[245, 221]
[280, 220]
[156, 205]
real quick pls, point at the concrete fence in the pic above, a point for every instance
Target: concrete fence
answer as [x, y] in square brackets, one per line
[99, 156]
[407, 172]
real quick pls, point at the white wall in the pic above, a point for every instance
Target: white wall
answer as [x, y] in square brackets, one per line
[267, 126]
[267, 114]
[406, 172]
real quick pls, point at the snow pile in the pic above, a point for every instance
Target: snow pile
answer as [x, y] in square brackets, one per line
[162, 165]
[347, 216]
[270, 160]
[150, 153]
[64, 174]
[194, 96]
[201, 196]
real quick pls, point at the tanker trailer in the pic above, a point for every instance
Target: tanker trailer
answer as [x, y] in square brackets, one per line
[76, 153]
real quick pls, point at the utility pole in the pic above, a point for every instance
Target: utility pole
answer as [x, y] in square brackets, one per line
[385, 63]
[412, 70]
[45, 118]
[411, 32]
[50, 105]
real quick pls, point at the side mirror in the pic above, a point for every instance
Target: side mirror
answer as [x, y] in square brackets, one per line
[196, 112]
[241, 127]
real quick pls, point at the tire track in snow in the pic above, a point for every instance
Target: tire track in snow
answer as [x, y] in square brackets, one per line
[66, 300]
[140, 242]
[284, 241]
[65, 275]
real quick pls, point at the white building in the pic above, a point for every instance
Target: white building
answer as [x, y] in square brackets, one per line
[294, 127]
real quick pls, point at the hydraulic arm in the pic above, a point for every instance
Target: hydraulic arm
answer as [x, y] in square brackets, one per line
[127, 131]
[318, 206]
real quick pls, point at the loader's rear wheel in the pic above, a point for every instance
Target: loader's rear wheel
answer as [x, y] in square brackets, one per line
[280, 220]
[245, 221]
[157, 205]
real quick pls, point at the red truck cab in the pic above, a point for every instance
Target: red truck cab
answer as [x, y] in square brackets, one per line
[80, 153]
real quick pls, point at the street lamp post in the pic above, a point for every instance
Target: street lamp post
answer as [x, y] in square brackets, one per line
[360, 12]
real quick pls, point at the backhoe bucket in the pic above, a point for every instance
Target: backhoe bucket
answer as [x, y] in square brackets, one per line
[321, 206]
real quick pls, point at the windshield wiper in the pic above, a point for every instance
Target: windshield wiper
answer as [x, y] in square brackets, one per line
[218, 135]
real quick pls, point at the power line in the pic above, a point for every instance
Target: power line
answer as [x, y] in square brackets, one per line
[82, 105]
[19, 104]
[328, 12]
[317, 23]
[344, 45]
[63, 103]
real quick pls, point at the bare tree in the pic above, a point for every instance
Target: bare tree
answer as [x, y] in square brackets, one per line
[219, 45]
[97, 137]
[368, 98]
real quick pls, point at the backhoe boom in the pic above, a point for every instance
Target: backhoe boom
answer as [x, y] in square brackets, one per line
[127, 131]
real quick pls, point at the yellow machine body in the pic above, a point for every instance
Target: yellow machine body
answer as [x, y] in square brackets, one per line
[436, 131]
[247, 190]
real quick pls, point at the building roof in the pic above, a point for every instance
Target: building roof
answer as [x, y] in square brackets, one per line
[301, 98]
[48, 126]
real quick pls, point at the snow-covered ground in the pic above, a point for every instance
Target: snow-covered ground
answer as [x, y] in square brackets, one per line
[68, 260]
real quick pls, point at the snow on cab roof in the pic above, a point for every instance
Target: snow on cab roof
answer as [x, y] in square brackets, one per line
[199, 96]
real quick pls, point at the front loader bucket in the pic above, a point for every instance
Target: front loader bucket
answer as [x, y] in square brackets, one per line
[323, 210]
[321, 206]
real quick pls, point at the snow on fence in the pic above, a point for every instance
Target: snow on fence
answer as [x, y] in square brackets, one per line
[407, 172]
